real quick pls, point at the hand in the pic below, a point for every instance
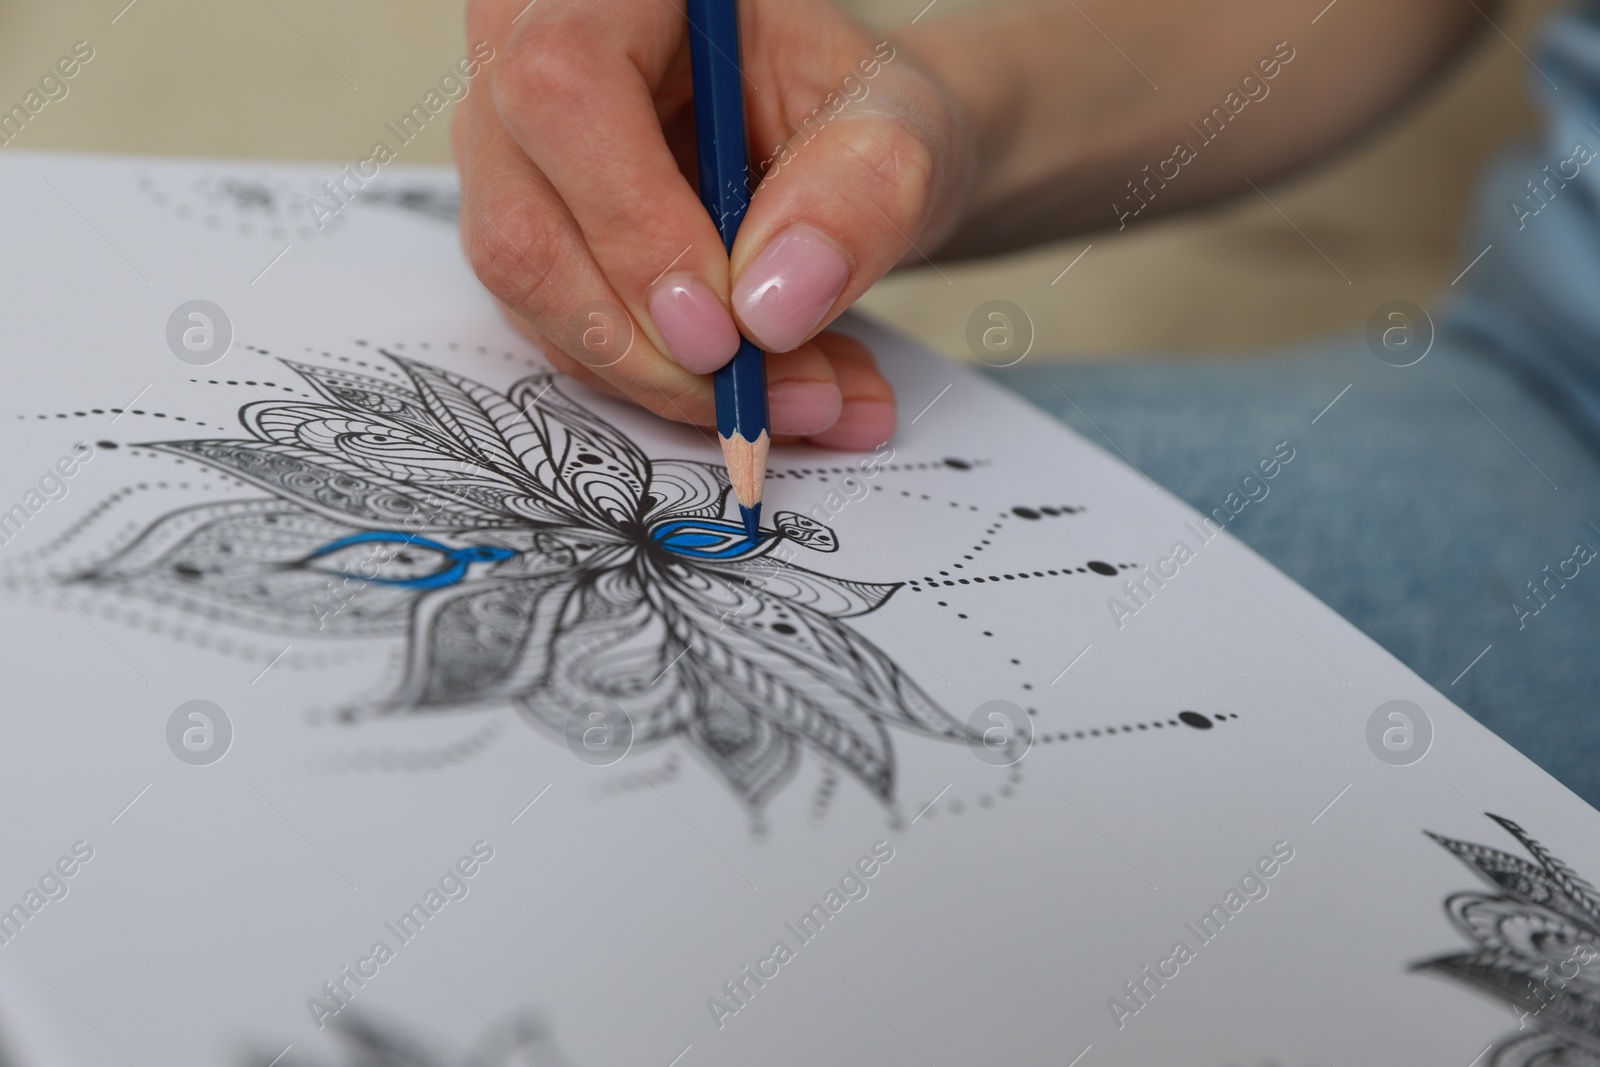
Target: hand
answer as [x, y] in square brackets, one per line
[581, 214]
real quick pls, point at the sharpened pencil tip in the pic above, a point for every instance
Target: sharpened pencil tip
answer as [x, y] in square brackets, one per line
[752, 522]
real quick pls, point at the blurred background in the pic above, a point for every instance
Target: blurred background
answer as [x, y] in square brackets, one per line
[303, 80]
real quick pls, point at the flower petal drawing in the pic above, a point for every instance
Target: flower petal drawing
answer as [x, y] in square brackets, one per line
[1536, 947]
[363, 1039]
[532, 555]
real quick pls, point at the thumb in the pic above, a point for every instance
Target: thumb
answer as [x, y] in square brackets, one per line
[851, 193]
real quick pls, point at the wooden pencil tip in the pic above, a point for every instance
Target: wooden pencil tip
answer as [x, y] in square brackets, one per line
[747, 466]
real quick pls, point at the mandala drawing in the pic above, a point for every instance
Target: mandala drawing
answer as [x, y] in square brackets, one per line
[531, 554]
[1536, 947]
[250, 205]
[366, 1041]
[437, 202]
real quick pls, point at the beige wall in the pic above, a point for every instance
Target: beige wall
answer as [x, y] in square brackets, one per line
[298, 79]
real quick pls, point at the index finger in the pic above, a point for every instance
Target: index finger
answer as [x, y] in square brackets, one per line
[529, 251]
[584, 90]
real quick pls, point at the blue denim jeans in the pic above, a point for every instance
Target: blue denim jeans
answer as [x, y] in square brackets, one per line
[1439, 507]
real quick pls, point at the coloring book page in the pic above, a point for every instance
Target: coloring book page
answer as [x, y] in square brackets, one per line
[376, 696]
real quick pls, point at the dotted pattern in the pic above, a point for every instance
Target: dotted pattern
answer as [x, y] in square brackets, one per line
[924, 496]
[252, 384]
[1021, 511]
[928, 582]
[958, 805]
[1043, 511]
[386, 369]
[1192, 719]
[251, 204]
[115, 412]
[399, 348]
[823, 800]
[959, 573]
[18, 568]
[96, 512]
[825, 472]
[161, 624]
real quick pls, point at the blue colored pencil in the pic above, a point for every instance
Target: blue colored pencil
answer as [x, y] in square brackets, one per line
[741, 385]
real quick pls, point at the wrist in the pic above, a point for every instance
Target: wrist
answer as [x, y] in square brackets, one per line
[1055, 118]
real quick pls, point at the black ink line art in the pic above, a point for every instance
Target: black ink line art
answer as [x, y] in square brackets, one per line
[250, 205]
[530, 554]
[438, 202]
[366, 1041]
[1536, 947]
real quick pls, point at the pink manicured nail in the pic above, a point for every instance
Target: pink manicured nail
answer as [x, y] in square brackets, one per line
[698, 330]
[787, 289]
[863, 425]
[800, 408]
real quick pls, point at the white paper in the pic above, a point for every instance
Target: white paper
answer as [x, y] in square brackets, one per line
[1018, 902]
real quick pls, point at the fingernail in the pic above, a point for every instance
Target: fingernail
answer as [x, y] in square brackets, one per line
[783, 294]
[801, 408]
[698, 330]
[862, 425]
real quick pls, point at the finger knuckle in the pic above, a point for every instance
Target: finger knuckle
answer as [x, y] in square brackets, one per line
[515, 255]
[892, 165]
[543, 70]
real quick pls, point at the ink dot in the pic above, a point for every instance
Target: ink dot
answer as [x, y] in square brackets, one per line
[1024, 513]
[588, 457]
[785, 628]
[1195, 719]
[1102, 568]
[105, 444]
[1052, 512]
[958, 464]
